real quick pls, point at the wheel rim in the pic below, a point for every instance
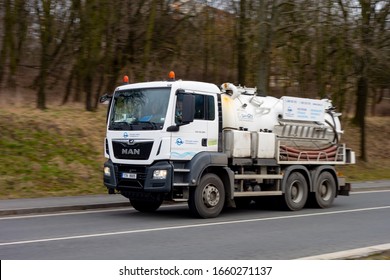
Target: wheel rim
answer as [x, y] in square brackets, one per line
[324, 190]
[296, 192]
[210, 195]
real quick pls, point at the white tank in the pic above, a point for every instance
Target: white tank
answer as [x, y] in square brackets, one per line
[310, 123]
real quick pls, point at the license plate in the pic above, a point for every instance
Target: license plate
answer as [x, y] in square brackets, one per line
[129, 175]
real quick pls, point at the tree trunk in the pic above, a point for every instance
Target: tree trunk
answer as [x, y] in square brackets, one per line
[68, 89]
[99, 90]
[206, 44]
[148, 40]
[362, 93]
[14, 35]
[41, 97]
[45, 22]
[88, 91]
[362, 70]
[266, 29]
[242, 44]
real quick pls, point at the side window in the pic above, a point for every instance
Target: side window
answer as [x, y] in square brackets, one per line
[204, 107]
[199, 107]
[210, 108]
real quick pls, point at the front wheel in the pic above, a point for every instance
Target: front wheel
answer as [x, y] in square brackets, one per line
[296, 192]
[208, 198]
[144, 205]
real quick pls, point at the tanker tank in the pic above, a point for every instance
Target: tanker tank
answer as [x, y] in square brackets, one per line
[299, 123]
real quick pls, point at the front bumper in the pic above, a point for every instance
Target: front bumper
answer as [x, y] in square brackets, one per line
[143, 179]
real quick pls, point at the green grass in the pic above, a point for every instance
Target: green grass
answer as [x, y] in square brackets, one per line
[52, 153]
[59, 152]
[367, 171]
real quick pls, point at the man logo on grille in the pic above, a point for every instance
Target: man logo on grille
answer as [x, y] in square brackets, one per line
[131, 151]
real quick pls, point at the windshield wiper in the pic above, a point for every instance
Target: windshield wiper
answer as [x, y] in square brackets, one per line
[144, 125]
[151, 124]
[120, 125]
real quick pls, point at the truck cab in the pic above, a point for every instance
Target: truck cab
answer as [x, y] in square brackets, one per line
[154, 131]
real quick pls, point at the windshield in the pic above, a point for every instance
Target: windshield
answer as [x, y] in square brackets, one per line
[139, 109]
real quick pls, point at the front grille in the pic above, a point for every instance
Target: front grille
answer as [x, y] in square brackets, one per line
[137, 183]
[124, 150]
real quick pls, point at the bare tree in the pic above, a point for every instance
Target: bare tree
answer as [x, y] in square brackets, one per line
[242, 42]
[268, 15]
[53, 29]
[369, 44]
[15, 22]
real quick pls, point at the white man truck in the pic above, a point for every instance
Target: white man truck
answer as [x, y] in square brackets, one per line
[216, 147]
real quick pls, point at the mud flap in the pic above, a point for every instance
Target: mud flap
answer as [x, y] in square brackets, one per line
[344, 190]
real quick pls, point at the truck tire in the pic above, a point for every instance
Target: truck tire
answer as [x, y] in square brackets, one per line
[325, 190]
[208, 198]
[296, 192]
[143, 205]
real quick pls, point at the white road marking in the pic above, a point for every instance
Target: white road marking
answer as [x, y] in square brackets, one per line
[192, 226]
[80, 212]
[364, 192]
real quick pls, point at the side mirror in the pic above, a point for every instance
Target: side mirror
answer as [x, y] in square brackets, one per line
[185, 110]
[104, 98]
[188, 108]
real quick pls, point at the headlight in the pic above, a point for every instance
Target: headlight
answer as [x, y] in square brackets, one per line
[107, 171]
[160, 174]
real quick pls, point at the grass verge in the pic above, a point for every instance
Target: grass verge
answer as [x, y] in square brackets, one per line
[50, 153]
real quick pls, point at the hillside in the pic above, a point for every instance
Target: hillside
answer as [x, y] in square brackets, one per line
[60, 151]
[51, 153]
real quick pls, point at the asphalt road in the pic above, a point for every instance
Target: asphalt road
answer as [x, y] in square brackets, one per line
[360, 220]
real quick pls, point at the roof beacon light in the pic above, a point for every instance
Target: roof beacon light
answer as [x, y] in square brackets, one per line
[171, 76]
[125, 79]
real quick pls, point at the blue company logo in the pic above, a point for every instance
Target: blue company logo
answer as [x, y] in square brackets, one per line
[179, 141]
[125, 135]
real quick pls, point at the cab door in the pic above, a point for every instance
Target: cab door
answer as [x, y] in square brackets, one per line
[199, 135]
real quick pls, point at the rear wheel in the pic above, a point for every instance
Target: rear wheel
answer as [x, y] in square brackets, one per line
[144, 205]
[325, 191]
[208, 198]
[296, 191]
